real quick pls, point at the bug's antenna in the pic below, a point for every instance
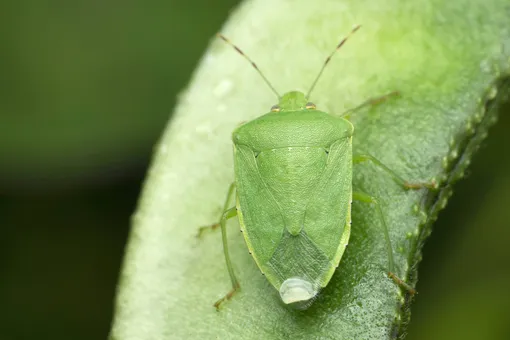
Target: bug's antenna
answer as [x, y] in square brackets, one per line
[354, 29]
[251, 61]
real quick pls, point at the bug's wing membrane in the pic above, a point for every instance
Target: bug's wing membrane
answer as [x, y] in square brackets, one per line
[315, 203]
[257, 208]
[327, 217]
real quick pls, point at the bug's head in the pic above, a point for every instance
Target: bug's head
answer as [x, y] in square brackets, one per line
[297, 291]
[292, 101]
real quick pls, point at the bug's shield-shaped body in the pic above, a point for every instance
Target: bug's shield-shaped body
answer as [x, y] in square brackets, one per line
[293, 173]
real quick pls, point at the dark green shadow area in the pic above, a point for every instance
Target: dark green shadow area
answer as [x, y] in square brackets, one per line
[85, 89]
[464, 272]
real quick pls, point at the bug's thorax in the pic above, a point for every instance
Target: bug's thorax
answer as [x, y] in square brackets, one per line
[295, 122]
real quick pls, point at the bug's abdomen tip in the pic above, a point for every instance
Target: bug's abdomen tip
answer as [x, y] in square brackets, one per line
[296, 289]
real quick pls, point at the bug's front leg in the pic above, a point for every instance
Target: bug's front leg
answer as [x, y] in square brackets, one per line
[370, 102]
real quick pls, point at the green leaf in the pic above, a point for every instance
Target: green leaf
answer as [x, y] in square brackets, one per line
[451, 63]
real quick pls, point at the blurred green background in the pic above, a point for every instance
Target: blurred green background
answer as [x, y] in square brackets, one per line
[86, 88]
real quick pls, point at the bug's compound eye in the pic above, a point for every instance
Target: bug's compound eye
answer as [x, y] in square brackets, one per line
[275, 108]
[296, 290]
[310, 106]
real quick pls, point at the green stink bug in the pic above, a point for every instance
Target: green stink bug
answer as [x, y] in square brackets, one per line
[293, 189]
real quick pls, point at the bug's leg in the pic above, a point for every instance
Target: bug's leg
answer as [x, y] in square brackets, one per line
[399, 180]
[225, 215]
[371, 101]
[235, 284]
[362, 197]
[216, 225]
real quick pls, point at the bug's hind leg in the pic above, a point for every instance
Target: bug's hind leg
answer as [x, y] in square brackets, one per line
[359, 158]
[229, 213]
[362, 197]
[225, 215]
[227, 203]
